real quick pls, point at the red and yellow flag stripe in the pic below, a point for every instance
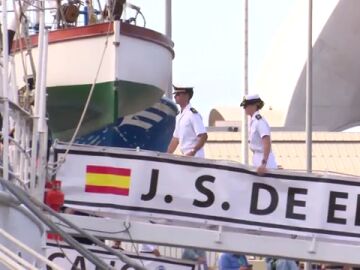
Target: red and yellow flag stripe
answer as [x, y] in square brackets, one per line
[110, 180]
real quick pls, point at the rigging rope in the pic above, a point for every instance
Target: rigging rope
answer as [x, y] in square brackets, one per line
[62, 159]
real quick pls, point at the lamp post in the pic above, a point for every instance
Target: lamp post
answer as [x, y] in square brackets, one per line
[244, 127]
[308, 127]
[168, 32]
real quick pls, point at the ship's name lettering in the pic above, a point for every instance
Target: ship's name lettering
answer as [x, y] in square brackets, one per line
[295, 207]
[79, 263]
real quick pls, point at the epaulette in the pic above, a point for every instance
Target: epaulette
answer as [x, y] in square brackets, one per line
[193, 110]
[258, 116]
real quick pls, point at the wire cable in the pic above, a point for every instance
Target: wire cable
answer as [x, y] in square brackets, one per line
[28, 201]
[98, 231]
[33, 203]
[63, 252]
[110, 23]
[62, 160]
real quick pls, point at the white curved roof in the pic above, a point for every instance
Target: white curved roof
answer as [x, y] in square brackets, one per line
[336, 82]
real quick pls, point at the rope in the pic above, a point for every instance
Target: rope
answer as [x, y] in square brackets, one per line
[62, 160]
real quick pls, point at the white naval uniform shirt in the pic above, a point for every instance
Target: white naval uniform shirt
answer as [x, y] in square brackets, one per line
[188, 126]
[147, 248]
[258, 128]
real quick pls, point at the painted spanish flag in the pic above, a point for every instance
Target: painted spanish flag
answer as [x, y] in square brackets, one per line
[111, 180]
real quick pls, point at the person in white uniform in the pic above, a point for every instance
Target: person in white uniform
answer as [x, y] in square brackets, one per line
[263, 158]
[190, 132]
[259, 134]
[149, 248]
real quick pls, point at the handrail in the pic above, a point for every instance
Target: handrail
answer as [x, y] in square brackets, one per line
[16, 107]
[16, 258]
[10, 264]
[19, 147]
[31, 251]
[326, 172]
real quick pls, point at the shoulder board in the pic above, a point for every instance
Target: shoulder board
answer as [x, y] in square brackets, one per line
[258, 117]
[193, 110]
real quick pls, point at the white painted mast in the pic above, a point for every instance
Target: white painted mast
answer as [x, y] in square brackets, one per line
[42, 125]
[5, 91]
[244, 126]
[37, 105]
[308, 124]
[309, 93]
[168, 32]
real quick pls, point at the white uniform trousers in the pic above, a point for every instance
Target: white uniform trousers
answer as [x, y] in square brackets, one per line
[258, 157]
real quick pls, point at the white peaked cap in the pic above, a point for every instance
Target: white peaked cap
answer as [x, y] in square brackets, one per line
[252, 97]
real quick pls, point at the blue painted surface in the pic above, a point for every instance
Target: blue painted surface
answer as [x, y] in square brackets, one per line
[151, 129]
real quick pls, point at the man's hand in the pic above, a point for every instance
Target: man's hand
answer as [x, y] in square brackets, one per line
[173, 144]
[156, 252]
[261, 170]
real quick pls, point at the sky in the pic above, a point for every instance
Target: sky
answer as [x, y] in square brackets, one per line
[209, 44]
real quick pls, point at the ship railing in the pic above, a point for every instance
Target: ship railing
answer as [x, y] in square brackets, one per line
[14, 261]
[327, 173]
[19, 154]
[28, 127]
[56, 17]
